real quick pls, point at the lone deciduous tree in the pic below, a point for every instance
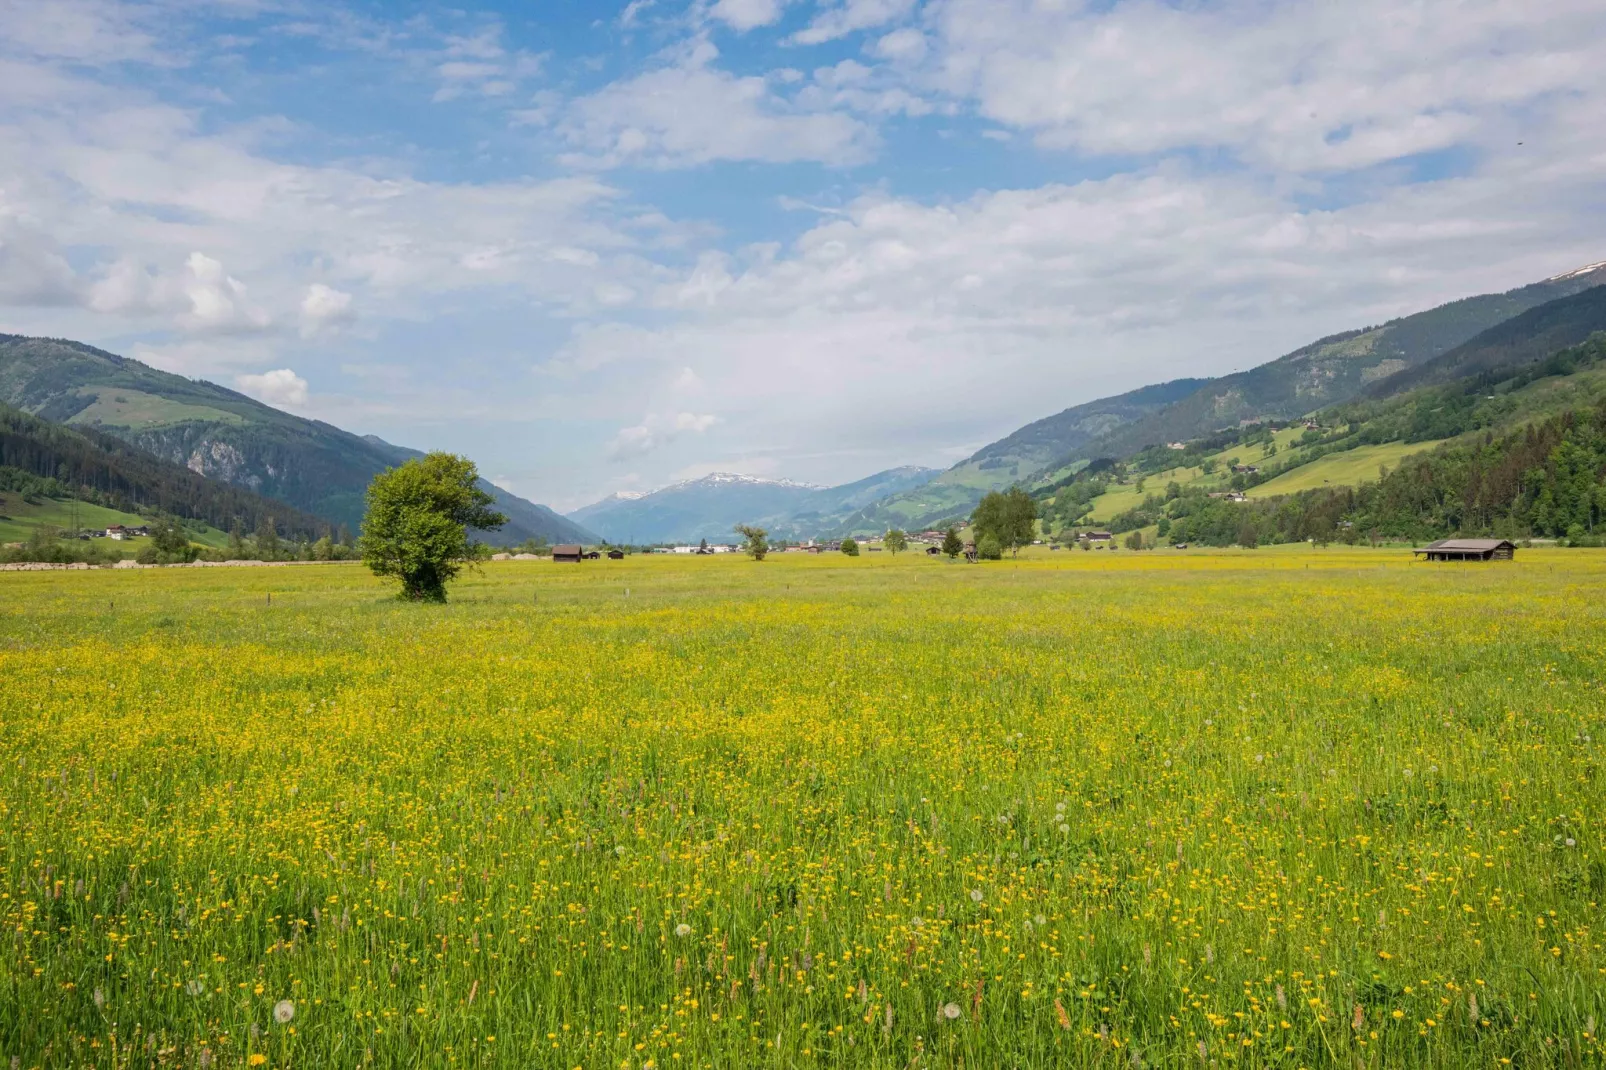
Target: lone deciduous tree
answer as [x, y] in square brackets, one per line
[1010, 517]
[756, 541]
[895, 541]
[416, 526]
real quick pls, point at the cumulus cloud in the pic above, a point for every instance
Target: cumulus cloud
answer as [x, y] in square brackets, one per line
[324, 307]
[744, 15]
[280, 387]
[691, 112]
[1286, 85]
[655, 432]
[217, 299]
[199, 297]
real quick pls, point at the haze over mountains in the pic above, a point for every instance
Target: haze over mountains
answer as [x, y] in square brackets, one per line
[708, 508]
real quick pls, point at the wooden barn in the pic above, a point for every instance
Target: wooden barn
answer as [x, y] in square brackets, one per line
[568, 552]
[1468, 550]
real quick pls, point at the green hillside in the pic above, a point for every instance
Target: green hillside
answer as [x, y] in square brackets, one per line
[45, 468]
[223, 435]
[1531, 336]
[22, 515]
[1349, 468]
[1334, 369]
[1013, 459]
[1517, 448]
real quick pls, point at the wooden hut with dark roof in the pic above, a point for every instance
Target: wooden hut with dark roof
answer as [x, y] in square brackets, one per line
[568, 552]
[1468, 550]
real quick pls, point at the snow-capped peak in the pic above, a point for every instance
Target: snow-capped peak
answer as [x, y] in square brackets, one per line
[1575, 273]
[714, 479]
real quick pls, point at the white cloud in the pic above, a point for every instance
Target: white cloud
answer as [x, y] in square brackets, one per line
[33, 270]
[1286, 85]
[907, 45]
[898, 328]
[217, 299]
[82, 31]
[281, 387]
[851, 17]
[744, 15]
[656, 432]
[324, 307]
[690, 113]
[479, 63]
[690, 421]
[199, 297]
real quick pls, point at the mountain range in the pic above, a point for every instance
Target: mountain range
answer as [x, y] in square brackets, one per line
[710, 507]
[223, 435]
[1423, 347]
[320, 471]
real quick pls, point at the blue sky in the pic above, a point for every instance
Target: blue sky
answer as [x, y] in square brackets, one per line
[604, 246]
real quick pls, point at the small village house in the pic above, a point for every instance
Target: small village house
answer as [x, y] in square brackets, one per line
[568, 552]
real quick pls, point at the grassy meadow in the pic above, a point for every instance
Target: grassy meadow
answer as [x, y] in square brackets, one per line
[1287, 808]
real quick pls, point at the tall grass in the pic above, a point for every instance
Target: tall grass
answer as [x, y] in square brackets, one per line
[1303, 808]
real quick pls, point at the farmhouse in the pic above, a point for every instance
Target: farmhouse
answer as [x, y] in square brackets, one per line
[1468, 550]
[1246, 469]
[568, 552]
[1097, 536]
[616, 555]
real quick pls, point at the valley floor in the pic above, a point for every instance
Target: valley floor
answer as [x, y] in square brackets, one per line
[1290, 808]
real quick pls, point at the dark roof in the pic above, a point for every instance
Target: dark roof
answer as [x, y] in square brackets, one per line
[568, 549]
[1470, 545]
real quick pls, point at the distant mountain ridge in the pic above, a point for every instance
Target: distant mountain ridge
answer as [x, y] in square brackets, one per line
[1332, 369]
[709, 507]
[222, 434]
[1524, 338]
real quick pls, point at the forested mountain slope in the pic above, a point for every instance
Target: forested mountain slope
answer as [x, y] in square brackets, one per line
[40, 459]
[221, 434]
[1517, 449]
[1335, 368]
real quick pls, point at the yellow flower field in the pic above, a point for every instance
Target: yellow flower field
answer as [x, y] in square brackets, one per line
[1278, 808]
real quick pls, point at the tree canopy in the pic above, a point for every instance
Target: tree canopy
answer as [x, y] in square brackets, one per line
[415, 528]
[756, 541]
[895, 541]
[1009, 516]
[952, 544]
